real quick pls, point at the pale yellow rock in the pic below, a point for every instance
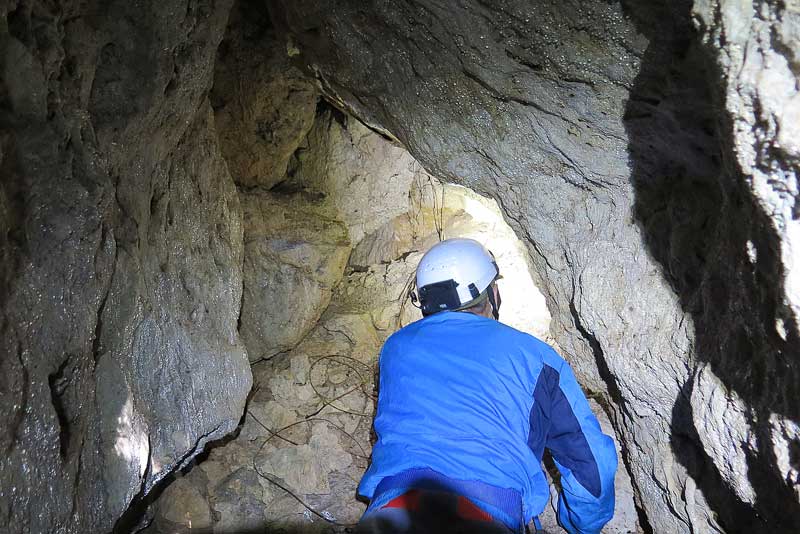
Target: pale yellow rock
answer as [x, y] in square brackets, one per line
[299, 367]
[183, 505]
[295, 252]
[305, 468]
[272, 414]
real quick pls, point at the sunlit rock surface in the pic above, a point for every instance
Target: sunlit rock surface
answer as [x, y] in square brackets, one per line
[365, 177]
[295, 252]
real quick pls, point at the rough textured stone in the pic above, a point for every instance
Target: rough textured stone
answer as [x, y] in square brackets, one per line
[597, 128]
[263, 106]
[646, 152]
[306, 431]
[121, 257]
[362, 175]
[295, 251]
[185, 508]
[755, 48]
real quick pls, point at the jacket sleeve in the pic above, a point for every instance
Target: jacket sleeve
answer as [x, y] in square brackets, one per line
[585, 457]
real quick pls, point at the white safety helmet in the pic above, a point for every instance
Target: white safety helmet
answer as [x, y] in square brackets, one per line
[454, 275]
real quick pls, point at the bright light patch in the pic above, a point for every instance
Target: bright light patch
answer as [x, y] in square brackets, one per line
[132, 444]
[523, 305]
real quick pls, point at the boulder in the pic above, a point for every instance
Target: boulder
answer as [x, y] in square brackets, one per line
[295, 252]
[263, 105]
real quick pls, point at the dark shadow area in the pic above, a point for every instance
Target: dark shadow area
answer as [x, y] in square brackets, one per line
[437, 510]
[719, 253]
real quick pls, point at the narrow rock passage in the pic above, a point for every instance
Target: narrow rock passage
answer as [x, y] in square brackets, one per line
[305, 439]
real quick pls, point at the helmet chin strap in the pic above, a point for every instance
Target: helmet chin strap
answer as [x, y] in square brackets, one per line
[494, 303]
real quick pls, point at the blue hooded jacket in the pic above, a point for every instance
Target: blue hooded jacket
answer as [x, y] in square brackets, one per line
[474, 399]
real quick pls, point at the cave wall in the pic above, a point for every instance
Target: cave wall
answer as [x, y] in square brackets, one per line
[645, 151]
[120, 257]
[637, 148]
[306, 432]
[755, 47]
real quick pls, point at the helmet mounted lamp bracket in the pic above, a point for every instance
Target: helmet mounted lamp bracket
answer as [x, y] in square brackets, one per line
[439, 296]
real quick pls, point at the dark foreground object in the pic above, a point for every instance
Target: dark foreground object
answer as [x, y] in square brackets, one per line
[423, 512]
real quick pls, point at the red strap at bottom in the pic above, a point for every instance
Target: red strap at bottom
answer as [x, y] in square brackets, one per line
[467, 510]
[409, 500]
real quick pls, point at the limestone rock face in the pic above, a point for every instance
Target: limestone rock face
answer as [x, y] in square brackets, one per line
[295, 252]
[263, 106]
[306, 431]
[646, 152]
[362, 175]
[761, 97]
[120, 258]
[661, 230]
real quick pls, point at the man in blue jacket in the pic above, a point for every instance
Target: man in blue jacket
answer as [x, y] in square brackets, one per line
[467, 407]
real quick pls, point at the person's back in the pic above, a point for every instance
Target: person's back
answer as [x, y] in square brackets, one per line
[466, 408]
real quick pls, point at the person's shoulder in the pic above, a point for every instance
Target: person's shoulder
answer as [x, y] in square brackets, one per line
[403, 333]
[518, 336]
[409, 328]
[531, 344]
